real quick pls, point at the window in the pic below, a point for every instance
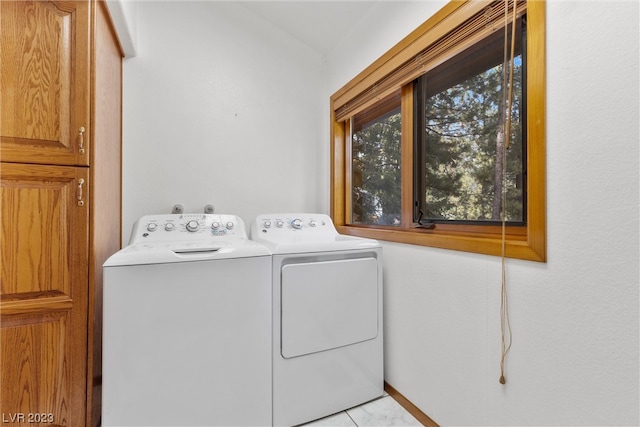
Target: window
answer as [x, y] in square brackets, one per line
[375, 174]
[459, 138]
[417, 137]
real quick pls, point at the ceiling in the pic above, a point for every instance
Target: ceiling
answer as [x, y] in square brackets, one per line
[318, 24]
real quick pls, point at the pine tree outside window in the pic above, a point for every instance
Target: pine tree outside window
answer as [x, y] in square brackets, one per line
[459, 138]
[376, 181]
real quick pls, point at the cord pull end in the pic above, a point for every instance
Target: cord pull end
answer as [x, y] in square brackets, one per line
[502, 380]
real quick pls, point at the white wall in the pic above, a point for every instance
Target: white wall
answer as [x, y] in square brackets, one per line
[124, 14]
[574, 359]
[219, 107]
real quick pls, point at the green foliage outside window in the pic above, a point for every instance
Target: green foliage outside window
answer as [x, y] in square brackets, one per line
[463, 157]
[376, 171]
[458, 144]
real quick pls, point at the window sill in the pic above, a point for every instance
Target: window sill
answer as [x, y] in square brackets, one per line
[488, 243]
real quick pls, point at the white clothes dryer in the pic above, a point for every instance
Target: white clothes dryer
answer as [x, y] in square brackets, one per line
[187, 325]
[327, 317]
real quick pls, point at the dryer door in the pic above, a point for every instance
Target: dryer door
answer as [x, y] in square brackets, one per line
[328, 304]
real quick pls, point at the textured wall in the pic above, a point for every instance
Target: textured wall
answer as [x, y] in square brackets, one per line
[574, 359]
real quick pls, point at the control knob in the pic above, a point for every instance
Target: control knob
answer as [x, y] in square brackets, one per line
[229, 225]
[169, 226]
[152, 226]
[296, 223]
[267, 224]
[192, 225]
[279, 223]
[215, 225]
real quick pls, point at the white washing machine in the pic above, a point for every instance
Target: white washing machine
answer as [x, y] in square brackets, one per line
[327, 317]
[187, 325]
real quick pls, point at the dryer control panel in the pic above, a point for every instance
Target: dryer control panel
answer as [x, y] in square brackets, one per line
[291, 228]
[191, 227]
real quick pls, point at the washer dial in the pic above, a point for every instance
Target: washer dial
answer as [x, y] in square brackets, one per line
[192, 225]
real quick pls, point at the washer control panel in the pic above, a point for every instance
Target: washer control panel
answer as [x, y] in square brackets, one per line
[187, 227]
[288, 228]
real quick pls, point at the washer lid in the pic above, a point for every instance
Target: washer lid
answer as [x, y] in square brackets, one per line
[157, 239]
[170, 252]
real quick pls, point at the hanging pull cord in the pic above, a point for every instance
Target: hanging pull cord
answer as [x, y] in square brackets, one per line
[505, 323]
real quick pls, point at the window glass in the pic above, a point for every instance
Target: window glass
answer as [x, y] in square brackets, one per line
[460, 134]
[375, 171]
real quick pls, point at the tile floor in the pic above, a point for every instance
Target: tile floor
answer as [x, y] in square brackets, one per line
[382, 412]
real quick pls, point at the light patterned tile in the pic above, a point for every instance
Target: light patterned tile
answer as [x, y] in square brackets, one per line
[338, 420]
[383, 412]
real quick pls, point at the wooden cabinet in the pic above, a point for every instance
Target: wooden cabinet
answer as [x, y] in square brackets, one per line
[45, 82]
[44, 290]
[60, 174]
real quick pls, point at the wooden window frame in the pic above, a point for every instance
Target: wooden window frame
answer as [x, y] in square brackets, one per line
[396, 69]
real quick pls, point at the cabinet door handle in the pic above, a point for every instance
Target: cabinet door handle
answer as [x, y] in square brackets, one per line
[81, 139]
[79, 192]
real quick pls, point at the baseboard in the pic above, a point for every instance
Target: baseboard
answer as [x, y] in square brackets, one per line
[410, 407]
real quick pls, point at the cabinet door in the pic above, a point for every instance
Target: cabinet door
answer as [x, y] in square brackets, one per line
[44, 72]
[43, 291]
